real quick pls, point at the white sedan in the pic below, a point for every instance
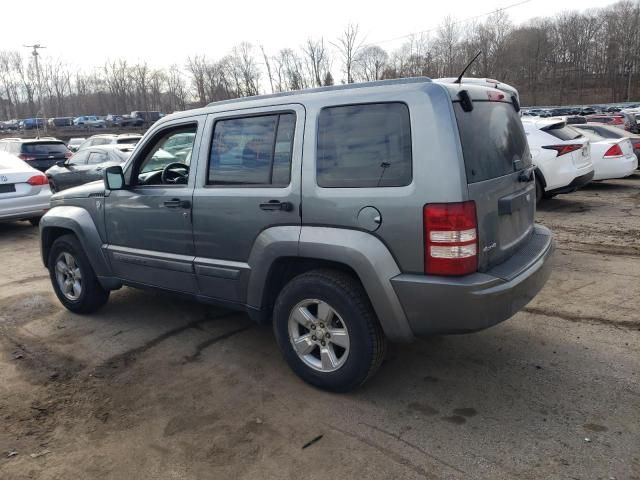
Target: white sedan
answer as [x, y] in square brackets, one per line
[24, 191]
[612, 157]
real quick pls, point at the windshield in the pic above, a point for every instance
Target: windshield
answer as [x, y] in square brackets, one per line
[493, 140]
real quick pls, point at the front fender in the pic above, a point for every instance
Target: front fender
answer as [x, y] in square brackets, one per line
[78, 221]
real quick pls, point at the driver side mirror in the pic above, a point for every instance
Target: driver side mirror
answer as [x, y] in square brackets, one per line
[114, 178]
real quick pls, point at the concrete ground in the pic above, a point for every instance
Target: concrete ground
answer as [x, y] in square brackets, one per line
[158, 388]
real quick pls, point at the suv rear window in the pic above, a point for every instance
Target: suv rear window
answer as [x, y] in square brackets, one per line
[562, 132]
[366, 145]
[493, 140]
[44, 148]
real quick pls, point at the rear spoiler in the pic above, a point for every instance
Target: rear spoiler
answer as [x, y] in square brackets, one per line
[467, 104]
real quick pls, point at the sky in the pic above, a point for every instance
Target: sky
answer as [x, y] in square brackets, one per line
[86, 34]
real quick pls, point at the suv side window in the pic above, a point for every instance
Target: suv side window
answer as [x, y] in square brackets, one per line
[252, 150]
[366, 145]
[157, 155]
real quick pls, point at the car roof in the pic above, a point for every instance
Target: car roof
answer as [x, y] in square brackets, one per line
[336, 93]
[32, 140]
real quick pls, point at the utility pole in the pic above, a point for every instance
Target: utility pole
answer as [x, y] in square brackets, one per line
[35, 54]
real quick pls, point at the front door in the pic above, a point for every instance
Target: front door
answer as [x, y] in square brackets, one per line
[150, 240]
[248, 181]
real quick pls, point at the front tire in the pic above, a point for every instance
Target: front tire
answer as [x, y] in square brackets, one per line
[73, 278]
[327, 330]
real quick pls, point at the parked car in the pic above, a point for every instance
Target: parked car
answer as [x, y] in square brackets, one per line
[123, 121]
[86, 166]
[24, 191]
[74, 143]
[89, 121]
[31, 123]
[434, 232]
[60, 122]
[612, 157]
[147, 117]
[613, 132]
[620, 120]
[575, 120]
[39, 153]
[561, 156]
[110, 138]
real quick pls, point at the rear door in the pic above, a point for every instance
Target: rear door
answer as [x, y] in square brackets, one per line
[499, 177]
[248, 181]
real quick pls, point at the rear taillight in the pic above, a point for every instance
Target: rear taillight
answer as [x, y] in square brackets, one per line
[26, 158]
[614, 151]
[38, 180]
[495, 96]
[636, 145]
[617, 121]
[563, 149]
[450, 238]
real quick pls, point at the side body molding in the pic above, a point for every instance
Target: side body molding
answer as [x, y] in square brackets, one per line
[79, 221]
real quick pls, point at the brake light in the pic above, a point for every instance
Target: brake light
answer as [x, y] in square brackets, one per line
[617, 120]
[636, 145]
[450, 238]
[26, 158]
[38, 180]
[495, 96]
[564, 149]
[614, 151]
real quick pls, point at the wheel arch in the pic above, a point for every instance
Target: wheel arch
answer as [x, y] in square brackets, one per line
[77, 221]
[280, 256]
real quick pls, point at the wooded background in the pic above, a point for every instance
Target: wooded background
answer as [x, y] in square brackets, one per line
[573, 58]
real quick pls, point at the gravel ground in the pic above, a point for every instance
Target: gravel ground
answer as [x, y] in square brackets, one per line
[158, 388]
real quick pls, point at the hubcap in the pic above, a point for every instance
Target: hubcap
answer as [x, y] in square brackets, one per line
[318, 335]
[68, 276]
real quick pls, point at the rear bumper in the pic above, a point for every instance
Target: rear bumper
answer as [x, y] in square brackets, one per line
[619, 167]
[577, 183]
[29, 206]
[446, 305]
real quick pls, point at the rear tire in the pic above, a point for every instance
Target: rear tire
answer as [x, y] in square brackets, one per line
[73, 278]
[340, 344]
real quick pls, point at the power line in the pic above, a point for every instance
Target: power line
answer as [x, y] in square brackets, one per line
[465, 20]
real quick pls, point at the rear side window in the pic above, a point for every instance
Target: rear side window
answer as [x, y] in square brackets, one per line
[493, 141]
[252, 150]
[97, 157]
[562, 132]
[44, 148]
[366, 145]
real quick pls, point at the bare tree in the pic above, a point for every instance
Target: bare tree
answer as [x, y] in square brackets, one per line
[349, 45]
[317, 59]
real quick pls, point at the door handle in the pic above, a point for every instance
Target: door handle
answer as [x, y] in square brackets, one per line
[177, 203]
[273, 205]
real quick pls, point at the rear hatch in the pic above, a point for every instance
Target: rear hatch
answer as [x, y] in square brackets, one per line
[14, 177]
[571, 140]
[499, 175]
[43, 155]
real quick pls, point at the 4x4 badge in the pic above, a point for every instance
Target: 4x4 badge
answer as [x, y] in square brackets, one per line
[489, 247]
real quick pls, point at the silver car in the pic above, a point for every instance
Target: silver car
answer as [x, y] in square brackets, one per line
[344, 216]
[24, 191]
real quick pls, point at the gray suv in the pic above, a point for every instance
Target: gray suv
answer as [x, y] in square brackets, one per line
[345, 216]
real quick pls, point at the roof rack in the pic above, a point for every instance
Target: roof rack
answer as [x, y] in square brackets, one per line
[349, 86]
